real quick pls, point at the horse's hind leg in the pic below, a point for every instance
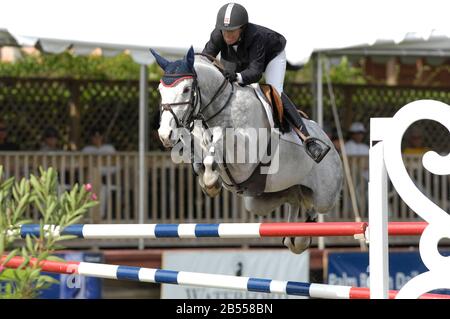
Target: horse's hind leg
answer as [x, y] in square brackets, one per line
[264, 204]
[297, 244]
[304, 197]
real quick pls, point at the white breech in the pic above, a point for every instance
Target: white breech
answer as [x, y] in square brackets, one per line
[275, 71]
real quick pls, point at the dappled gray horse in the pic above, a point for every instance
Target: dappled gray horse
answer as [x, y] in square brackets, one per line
[194, 90]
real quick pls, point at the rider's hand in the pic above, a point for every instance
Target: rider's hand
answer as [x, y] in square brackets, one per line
[230, 75]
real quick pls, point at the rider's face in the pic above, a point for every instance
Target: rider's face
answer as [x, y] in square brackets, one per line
[231, 37]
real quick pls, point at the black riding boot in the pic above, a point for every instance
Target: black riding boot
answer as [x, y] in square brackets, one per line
[312, 144]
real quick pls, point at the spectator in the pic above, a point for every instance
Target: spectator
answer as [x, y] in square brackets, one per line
[50, 142]
[333, 135]
[415, 144]
[335, 140]
[355, 145]
[98, 147]
[97, 144]
[5, 145]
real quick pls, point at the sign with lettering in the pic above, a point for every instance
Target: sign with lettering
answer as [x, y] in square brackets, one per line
[352, 269]
[261, 263]
[75, 286]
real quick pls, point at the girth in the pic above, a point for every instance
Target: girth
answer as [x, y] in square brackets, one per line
[256, 183]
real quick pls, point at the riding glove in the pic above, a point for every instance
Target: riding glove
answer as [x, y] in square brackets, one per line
[231, 76]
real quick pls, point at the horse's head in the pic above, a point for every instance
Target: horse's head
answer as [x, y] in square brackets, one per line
[181, 106]
[178, 96]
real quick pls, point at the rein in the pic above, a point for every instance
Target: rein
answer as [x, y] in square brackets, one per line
[195, 99]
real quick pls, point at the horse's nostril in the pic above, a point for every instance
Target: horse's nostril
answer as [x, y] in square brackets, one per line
[170, 134]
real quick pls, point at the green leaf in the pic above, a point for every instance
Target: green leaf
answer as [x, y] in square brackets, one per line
[35, 274]
[18, 275]
[8, 275]
[39, 206]
[15, 192]
[58, 247]
[49, 211]
[10, 255]
[29, 244]
[2, 244]
[91, 204]
[23, 252]
[55, 258]
[49, 279]
[26, 221]
[65, 237]
[6, 185]
[44, 255]
[22, 206]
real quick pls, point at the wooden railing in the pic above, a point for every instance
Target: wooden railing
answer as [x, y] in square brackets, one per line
[174, 195]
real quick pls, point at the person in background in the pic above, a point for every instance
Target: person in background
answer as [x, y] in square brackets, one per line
[415, 144]
[335, 140]
[50, 142]
[5, 145]
[355, 145]
[97, 145]
[333, 136]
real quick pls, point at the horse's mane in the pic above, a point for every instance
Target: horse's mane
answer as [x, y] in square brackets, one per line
[209, 59]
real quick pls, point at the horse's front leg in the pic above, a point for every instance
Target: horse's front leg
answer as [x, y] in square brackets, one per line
[211, 177]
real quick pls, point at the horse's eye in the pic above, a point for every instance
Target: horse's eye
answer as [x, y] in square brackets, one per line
[186, 90]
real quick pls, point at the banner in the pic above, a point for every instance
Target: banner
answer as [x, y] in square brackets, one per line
[352, 269]
[75, 286]
[261, 263]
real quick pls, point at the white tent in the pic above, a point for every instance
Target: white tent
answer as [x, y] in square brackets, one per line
[326, 27]
[177, 24]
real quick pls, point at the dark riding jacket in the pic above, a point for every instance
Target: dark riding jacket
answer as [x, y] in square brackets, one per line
[257, 46]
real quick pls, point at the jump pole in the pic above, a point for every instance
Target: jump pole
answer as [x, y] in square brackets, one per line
[224, 230]
[161, 276]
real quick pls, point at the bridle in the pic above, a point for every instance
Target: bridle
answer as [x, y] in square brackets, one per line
[195, 109]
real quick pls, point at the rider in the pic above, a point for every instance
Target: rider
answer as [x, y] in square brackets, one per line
[249, 50]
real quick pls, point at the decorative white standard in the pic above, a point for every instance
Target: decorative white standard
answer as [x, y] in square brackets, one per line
[386, 160]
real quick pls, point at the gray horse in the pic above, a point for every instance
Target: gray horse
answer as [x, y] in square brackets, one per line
[194, 89]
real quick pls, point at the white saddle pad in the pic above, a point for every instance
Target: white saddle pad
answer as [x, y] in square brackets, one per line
[291, 136]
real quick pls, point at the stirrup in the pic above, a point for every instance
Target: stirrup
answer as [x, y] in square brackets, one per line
[325, 148]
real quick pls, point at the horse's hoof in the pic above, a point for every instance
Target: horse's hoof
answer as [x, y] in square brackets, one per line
[214, 190]
[297, 245]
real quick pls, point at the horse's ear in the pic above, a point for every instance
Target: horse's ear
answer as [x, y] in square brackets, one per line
[162, 62]
[190, 56]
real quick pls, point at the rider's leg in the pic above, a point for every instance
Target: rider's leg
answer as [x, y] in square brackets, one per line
[275, 72]
[313, 149]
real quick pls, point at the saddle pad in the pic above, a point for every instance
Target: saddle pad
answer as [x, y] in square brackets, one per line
[291, 136]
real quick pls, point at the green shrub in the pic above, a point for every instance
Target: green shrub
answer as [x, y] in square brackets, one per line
[40, 193]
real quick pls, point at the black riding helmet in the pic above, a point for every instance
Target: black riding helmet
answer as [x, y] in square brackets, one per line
[231, 16]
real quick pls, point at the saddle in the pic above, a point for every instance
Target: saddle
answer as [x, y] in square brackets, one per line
[275, 101]
[287, 116]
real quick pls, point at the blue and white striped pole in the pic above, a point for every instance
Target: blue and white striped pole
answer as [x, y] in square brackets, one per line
[223, 230]
[161, 276]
